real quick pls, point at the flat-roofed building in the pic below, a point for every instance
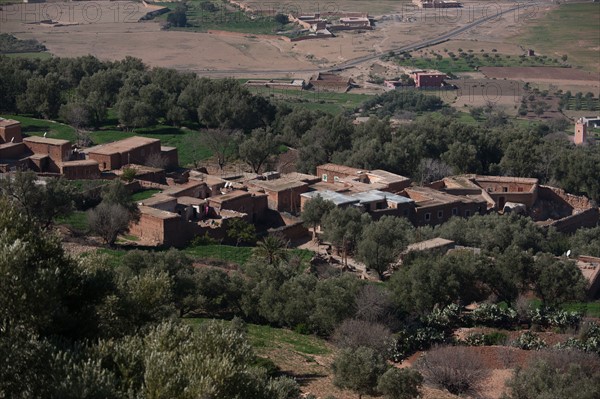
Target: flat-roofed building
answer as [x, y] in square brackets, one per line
[337, 198]
[283, 191]
[359, 180]
[10, 131]
[503, 189]
[58, 150]
[327, 81]
[283, 195]
[80, 169]
[356, 22]
[192, 188]
[434, 207]
[254, 205]
[380, 203]
[393, 182]
[333, 173]
[159, 227]
[429, 79]
[132, 150]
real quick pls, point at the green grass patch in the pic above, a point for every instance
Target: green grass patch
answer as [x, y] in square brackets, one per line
[37, 127]
[239, 255]
[227, 253]
[113, 256]
[267, 337]
[590, 309]
[187, 141]
[571, 29]
[145, 194]
[271, 338]
[330, 102]
[76, 221]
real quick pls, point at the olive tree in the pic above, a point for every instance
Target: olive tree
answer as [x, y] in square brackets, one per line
[382, 242]
[358, 369]
[314, 211]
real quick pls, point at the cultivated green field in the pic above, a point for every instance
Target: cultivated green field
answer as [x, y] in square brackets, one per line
[571, 29]
[265, 338]
[37, 127]
[226, 253]
[325, 101]
[76, 221]
[145, 194]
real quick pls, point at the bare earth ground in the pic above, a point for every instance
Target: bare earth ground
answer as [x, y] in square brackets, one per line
[550, 78]
[108, 30]
[541, 74]
[477, 92]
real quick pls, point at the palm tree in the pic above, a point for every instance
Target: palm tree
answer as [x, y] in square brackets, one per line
[272, 249]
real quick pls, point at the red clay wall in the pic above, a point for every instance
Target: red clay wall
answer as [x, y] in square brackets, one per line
[588, 218]
[140, 154]
[171, 158]
[107, 162]
[286, 201]
[80, 171]
[13, 151]
[331, 175]
[7, 133]
[58, 152]
[294, 231]
[429, 80]
[462, 209]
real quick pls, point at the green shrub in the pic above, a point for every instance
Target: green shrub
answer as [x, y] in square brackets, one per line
[493, 315]
[480, 339]
[529, 341]
[562, 319]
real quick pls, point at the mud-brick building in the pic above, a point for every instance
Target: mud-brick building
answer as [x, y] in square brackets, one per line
[326, 81]
[80, 169]
[503, 189]
[132, 150]
[497, 190]
[362, 180]
[283, 191]
[255, 205]
[10, 131]
[57, 150]
[159, 226]
[425, 79]
[434, 207]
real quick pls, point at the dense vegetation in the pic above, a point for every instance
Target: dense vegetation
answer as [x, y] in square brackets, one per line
[84, 326]
[81, 91]
[10, 44]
